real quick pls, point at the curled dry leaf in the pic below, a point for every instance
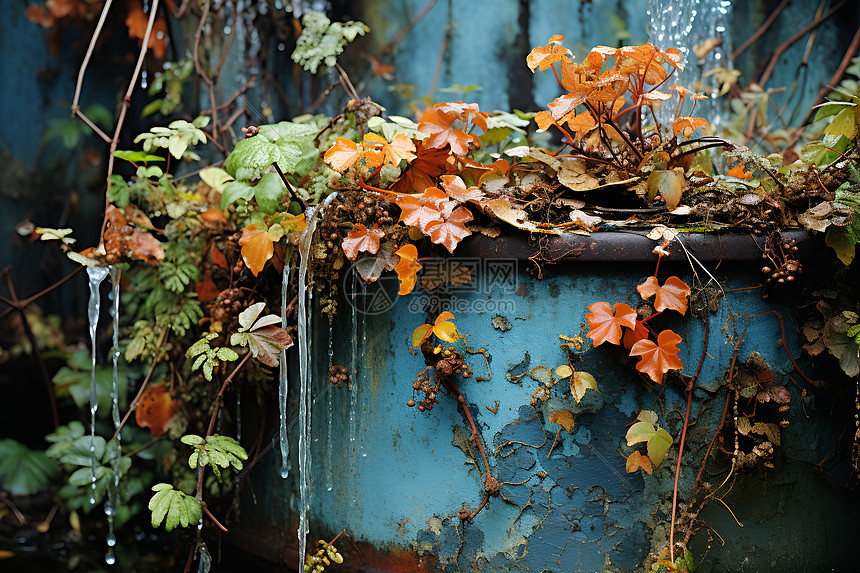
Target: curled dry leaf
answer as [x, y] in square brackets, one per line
[408, 267]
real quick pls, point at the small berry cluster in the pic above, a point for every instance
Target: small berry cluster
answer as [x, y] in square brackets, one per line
[781, 266]
[325, 555]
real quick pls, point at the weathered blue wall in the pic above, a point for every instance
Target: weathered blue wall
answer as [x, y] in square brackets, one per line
[395, 478]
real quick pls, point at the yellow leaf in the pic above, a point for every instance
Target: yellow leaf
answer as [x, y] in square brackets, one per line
[420, 333]
[563, 418]
[579, 383]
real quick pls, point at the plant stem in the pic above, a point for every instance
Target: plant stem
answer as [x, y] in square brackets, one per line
[134, 402]
[220, 397]
[689, 390]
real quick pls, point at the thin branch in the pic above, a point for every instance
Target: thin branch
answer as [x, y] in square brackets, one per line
[777, 53]
[689, 390]
[212, 517]
[126, 103]
[87, 56]
[837, 76]
[761, 30]
[133, 405]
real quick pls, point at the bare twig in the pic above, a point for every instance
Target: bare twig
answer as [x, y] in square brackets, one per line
[87, 56]
[777, 53]
[689, 390]
[212, 517]
[133, 405]
[761, 30]
[126, 103]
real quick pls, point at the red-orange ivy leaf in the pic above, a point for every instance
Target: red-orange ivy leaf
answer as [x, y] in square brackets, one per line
[672, 295]
[660, 357]
[451, 229]
[438, 123]
[604, 326]
[361, 239]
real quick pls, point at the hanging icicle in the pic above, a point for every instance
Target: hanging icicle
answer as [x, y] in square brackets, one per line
[284, 389]
[305, 367]
[115, 445]
[96, 276]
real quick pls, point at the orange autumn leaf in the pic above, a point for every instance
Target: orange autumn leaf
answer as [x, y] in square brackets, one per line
[457, 190]
[542, 57]
[408, 267]
[206, 289]
[451, 229]
[438, 123]
[137, 21]
[636, 461]
[122, 241]
[401, 148]
[562, 418]
[257, 247]
[420, 210]
[738, 171]
[687, 125]
[634, 335]
[604, 326]
[672, 295]
[444, 329]
[660, 357]
[218, 258]
[428, 164]
[155, 409]
[361, 239]
[342, 154]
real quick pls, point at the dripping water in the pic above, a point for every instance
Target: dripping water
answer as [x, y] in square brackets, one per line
[96, 276]
[683, 25]
[115, 446]
[305, 397]
[353, 379]
[328, 442]
[283, 391]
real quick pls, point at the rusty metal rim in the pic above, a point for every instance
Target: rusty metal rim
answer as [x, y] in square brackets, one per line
[629, 246]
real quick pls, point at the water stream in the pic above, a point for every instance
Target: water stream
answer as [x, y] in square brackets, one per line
[683, 25]
[96, 276]
[305, 368]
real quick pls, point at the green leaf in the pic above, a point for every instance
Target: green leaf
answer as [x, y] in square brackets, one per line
[136, 156]
[251, 158]
[22, 470]
[215, 451]
[321, 40]
[235, 190]
[83, 450]
[842, 125]
[177, 507]
[118, 191]
[149, 171]
[268, 193]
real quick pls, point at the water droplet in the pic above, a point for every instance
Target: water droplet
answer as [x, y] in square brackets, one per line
[110, 558]
[328, 488]
[111, 540]
[108, 509]
[281, 46]
[285, 474]
[227, 30]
